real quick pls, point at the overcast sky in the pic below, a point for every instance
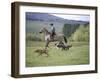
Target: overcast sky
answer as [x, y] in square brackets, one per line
[73, 17]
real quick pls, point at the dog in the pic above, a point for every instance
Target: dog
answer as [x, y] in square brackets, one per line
[63, 46]
[42, 51]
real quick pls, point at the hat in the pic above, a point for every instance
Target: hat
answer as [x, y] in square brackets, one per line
[51, 24]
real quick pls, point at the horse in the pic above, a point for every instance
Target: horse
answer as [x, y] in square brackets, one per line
[48, 38]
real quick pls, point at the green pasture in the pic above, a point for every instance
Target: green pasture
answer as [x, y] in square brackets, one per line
[76, 55]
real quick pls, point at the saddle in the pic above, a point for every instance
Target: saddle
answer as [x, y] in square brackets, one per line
[52, 36]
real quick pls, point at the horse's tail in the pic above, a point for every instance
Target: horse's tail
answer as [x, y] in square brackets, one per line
[65, 39]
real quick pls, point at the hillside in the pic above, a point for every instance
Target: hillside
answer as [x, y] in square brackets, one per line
[35, 21]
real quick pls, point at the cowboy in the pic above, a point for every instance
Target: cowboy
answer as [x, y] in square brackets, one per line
[52, 31]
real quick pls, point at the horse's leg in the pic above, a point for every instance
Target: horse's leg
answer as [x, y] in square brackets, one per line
[65, 39]
[47, 54]
[47, 43]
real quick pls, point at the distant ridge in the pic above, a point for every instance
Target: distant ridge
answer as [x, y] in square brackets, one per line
[46, 17]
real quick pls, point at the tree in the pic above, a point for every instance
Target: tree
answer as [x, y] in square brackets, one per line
[81, 34]
[69, 29]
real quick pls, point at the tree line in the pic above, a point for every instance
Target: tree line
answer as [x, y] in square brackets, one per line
[76, 32]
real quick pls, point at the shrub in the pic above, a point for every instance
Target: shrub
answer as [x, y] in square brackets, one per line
[33, 37]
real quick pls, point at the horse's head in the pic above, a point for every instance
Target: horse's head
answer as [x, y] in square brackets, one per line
[42, 30]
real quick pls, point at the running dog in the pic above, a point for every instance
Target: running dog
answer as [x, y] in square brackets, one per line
[42, 51]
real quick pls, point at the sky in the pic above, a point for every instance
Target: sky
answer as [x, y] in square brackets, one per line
[73, 17]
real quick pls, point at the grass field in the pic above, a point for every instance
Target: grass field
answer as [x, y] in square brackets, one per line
[76, 55]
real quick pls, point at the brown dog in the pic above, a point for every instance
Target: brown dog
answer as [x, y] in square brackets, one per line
[42, 51]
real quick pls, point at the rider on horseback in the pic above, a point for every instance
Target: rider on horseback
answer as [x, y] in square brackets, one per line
[53, 33]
